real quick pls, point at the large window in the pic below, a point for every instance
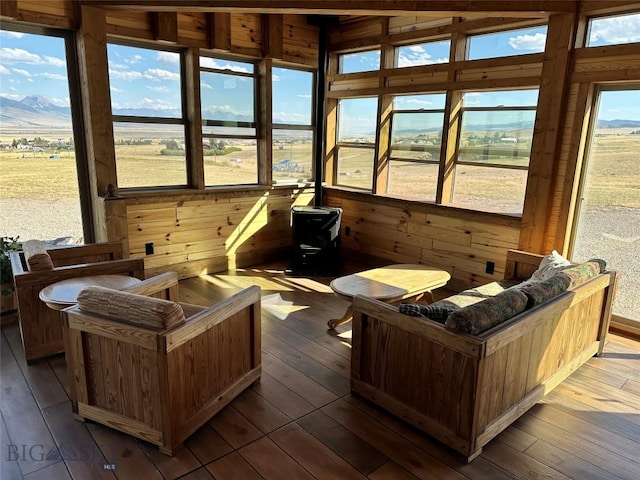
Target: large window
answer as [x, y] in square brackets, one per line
[229, 133]
[359, 62]
[507, 43]
[494, 144]
[292, 151]
[40, 192]
[356, 142]
[149, 124]
[608, 224]
[614, 30]
[415, 143]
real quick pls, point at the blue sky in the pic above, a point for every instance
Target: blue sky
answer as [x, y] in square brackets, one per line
[149, 79]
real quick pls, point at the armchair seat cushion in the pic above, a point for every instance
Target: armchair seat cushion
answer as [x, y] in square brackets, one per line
[140, 310]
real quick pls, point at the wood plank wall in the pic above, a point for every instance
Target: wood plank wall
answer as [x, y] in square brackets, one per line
[204, 233]
[458, 241]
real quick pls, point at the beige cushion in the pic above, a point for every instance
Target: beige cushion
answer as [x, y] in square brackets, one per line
[35, 253]
[140, 310]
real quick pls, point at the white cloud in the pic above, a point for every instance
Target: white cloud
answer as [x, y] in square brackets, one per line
[13, 89]
[132, 75]
[276, 78]
[4, 70]
[134, 59]
[11, 96]
[212, 63]
[147, 103]
[52, 76]
[613, 30]
[19, 71]
[19, 55]
[167, 57]
[158, 89]
[160, 74]
[60, 102]
[205, 85]
[417, 55]
[291, 118]
[413, 59]
[303, 96]
[219, 108]
[116, 89]
[56, 62]
[117, 66]
[533, 42]
[417, 101]
[8, 34]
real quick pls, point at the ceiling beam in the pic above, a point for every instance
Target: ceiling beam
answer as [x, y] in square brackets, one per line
[528, 8]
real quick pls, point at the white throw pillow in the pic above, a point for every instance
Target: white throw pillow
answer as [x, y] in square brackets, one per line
[549, 266]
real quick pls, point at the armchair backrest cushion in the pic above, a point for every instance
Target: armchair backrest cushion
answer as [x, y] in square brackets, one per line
[35, 253]
[140, 310]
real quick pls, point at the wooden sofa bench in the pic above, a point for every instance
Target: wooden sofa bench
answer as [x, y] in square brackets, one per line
[464, 389]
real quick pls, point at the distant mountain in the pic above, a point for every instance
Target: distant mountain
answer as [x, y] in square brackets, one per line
[618, 123]
[34, 110]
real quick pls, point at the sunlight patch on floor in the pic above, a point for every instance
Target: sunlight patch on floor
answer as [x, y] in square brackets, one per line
[279, 307]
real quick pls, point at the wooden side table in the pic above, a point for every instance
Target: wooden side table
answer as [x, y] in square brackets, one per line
[390, 284]
[63, 294]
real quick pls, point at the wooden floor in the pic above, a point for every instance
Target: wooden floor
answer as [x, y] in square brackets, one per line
[301, 422]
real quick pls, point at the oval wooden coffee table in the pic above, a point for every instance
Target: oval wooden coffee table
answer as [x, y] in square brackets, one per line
[390, 284]
[64, 293]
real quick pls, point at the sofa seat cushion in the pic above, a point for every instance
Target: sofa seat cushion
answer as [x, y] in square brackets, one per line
[440, 310]
[479, 317]
[139, 310]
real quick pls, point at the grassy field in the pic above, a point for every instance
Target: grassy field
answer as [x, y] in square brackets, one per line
[614, 178]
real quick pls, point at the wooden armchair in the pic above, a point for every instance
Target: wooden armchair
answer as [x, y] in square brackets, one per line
[159, 384]
[40, 326]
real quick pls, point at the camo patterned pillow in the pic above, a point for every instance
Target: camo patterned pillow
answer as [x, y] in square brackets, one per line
[540, 292]
[578, 274]
[438, 311]
[492, 311]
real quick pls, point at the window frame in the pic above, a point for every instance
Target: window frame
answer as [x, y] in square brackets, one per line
[299, 127]
[396, 52]
[368, 50]
[591, 19]
[77, 118]
[471, 36]
[255, 125]
[183, 120]
[460, 150]
[419, 148]
[359, 145]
